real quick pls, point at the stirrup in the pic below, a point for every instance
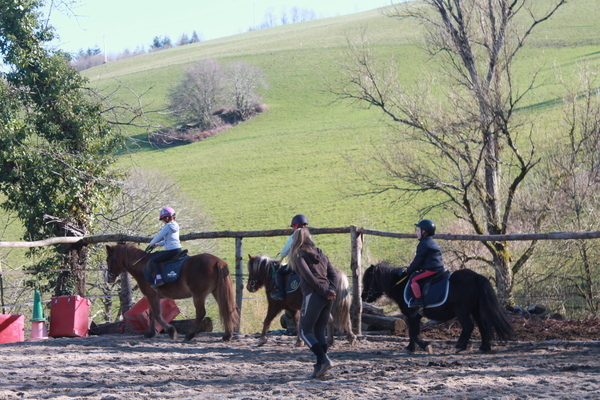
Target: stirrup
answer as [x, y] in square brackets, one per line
[277, 296]
[158, 283]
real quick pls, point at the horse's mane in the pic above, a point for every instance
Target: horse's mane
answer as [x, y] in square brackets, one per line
[261, 265]
[388, 271]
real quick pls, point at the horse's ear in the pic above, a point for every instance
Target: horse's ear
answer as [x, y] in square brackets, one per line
[250, 257]
[108, 249]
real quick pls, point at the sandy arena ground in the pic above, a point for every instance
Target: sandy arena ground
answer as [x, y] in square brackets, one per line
[111, 367]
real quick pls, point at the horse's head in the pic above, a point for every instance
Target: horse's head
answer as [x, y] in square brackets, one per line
[113, 267]
[258, 271]
[371, 288]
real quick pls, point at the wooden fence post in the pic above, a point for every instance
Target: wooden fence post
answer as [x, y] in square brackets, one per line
[356, 244]
[239, 278]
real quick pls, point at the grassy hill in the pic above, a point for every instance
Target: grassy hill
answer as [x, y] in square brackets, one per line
[291, 159]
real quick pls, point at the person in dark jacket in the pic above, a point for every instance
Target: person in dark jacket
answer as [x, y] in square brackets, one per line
[317, 282]
[428, 258]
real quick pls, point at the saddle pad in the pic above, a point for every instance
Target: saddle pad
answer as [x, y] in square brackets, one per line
[435, 297]
[170, 272]
[293, 283]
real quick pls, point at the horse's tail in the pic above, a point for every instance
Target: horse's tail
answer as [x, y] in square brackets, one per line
[492, 315]
[224, 295]
[342, 303]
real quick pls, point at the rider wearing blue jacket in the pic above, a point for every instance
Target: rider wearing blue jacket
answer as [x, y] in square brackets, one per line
[428, 258]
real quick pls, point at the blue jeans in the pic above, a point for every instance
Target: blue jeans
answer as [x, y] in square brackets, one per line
[314, 317]
[161, 256]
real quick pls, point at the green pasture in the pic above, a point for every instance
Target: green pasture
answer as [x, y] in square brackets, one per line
[294, 157]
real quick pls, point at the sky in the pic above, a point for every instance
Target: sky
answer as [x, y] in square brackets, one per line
[116, 25]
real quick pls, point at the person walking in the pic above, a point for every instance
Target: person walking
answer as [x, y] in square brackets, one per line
[167, 237]
[317, 282]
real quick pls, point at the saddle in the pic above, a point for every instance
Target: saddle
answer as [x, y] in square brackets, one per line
[293, 283]
[434, 289]
[171, 269]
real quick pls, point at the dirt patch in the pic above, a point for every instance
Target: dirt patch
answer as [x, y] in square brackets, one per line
[111, 367]
[531, 329]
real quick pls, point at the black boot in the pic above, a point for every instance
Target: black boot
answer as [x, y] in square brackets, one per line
[278, 289]
[324, 364]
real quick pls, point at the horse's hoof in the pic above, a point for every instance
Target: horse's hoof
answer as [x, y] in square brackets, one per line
[352, 340]
[457, 350]
[149, 335]
[189, 337]
[429, 349]
[172, 333]
[227, 337]
[299, 344]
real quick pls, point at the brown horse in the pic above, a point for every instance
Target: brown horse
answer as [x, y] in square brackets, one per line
[261, 272]
[201, 275]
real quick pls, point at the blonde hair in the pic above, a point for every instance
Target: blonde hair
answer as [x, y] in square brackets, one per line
[301, 241]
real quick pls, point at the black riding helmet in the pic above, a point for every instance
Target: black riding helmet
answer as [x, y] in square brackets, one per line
[427, 225]
[299, 220]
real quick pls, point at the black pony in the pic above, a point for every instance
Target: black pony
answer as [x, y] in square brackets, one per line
[470, 294]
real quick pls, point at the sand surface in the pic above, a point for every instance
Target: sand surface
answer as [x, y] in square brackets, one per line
[132, 367]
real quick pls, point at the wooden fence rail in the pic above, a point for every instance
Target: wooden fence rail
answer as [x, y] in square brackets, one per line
[356, 244]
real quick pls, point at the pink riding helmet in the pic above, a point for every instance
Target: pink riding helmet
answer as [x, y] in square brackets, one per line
[166, 212]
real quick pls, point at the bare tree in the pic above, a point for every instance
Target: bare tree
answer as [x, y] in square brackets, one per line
[199, 93]
[468, 145]
[574, 168]
[244, 83]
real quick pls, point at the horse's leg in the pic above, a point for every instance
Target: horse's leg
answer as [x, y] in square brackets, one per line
[199, 304]
[297, 324]
[330, 329]
[464, 319]
[350, 336]
[272, 312]
[486, 336]
[414, 334]
[156, 315]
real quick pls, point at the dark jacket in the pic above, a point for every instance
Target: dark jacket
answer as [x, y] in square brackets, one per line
[317, 275]
[429, 256]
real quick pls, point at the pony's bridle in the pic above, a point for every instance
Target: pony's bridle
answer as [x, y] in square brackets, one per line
[372, 294]
[110, 276]
[252, 284]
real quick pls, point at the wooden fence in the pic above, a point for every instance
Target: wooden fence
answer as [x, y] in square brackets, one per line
[356, 241]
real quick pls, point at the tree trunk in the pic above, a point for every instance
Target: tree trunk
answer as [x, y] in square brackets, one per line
[504, 276]
[125, 294]
[77, 260]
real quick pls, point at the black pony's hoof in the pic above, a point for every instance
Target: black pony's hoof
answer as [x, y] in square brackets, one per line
[150, 334]
[172, 333]
[189, 337]
[459, 350]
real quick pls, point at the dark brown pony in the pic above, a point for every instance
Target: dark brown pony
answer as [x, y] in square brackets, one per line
[261, 272]
[201, 275]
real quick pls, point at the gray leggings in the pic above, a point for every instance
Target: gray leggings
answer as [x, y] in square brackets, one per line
[313, 319]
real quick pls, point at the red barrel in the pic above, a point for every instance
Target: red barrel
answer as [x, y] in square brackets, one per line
[139, 315]
[69, 316]
[12, 328]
